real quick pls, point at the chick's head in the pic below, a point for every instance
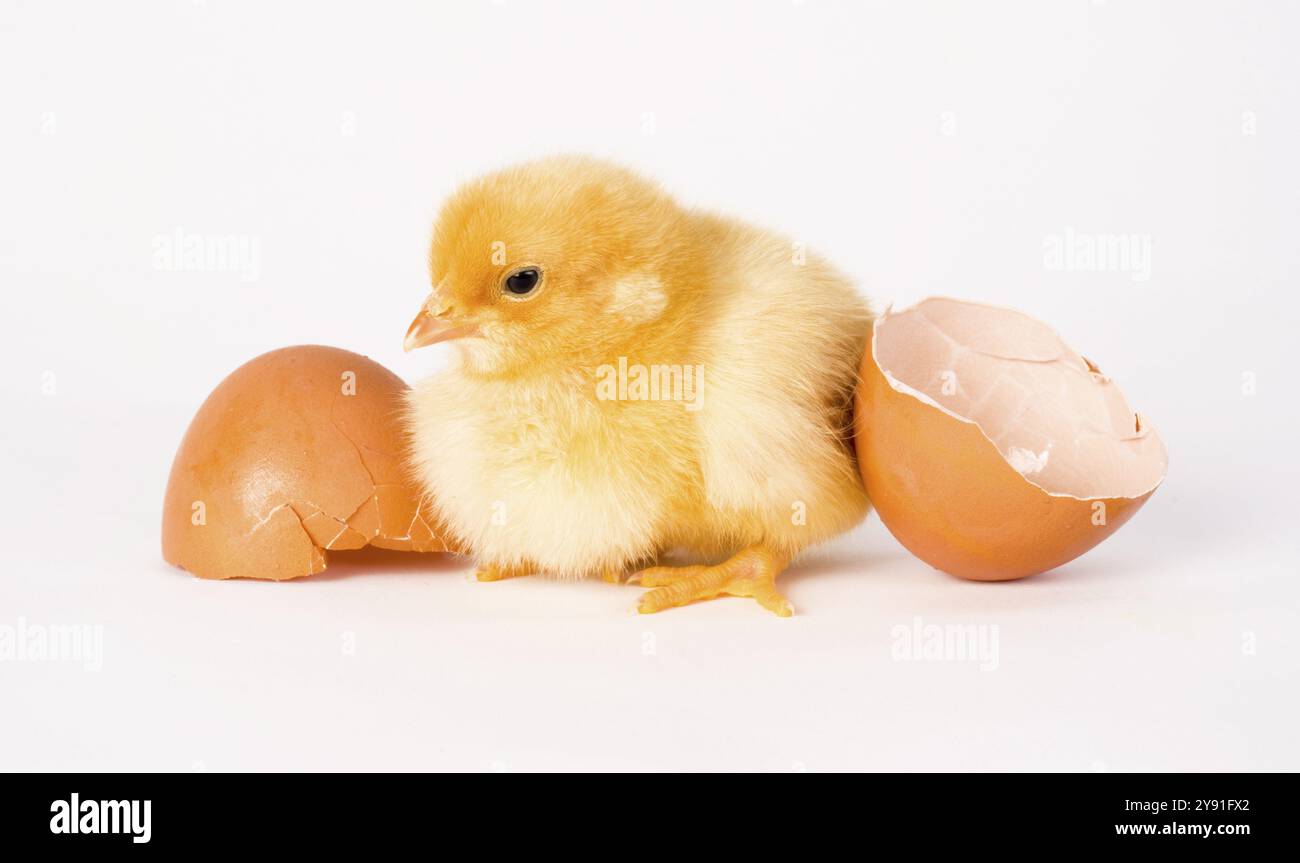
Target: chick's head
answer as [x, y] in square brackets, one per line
[546, 262]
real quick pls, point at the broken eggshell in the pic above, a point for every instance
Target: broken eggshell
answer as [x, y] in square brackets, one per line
[295, 453]
[991, 450]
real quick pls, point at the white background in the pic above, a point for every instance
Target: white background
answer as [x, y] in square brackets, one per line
[927, 148]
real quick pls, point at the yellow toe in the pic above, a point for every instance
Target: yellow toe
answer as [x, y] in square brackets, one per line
[500, 573]
[662, 576]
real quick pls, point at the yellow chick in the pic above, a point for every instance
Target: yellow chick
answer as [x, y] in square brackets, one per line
[634, 378]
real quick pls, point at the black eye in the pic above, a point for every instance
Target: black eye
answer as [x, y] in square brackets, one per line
[523, 282]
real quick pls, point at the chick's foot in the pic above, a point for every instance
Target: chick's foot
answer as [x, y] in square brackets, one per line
[500, 573]
[751, 572]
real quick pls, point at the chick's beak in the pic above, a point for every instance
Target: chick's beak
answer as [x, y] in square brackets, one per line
[435, 323]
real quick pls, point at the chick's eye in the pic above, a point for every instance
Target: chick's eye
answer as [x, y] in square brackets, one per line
[523, 282]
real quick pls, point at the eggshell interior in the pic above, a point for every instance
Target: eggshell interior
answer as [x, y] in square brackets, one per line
[296, 453]
[1055, 418]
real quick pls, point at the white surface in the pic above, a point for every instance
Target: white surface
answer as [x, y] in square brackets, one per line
[929, 148]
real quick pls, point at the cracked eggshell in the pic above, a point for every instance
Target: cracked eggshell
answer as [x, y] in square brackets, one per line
[296, 453]
[991, 450]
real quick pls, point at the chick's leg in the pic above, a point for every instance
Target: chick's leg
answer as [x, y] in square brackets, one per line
[751, 572]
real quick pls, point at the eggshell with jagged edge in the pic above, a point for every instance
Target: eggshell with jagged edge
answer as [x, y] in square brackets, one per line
[296, 453]
[990, 449]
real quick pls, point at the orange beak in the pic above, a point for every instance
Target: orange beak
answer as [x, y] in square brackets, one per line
[434, 324]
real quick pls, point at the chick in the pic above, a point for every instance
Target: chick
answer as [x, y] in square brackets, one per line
[634, 378]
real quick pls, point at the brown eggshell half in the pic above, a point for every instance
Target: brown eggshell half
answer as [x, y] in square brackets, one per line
[296, 453]
[990, 449]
